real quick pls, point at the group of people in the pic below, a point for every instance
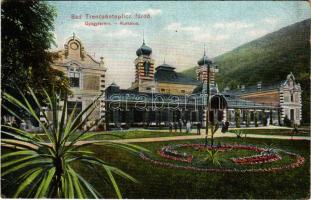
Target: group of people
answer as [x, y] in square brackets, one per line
[187, 124]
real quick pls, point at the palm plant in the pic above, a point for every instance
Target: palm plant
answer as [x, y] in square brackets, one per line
[213, 156]
[238, 133]
[46, 167]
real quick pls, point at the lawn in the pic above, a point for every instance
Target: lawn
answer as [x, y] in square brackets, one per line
[129, 134]
[161, 182]
[285, 132]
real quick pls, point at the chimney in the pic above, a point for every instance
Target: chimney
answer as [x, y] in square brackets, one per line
[259, 86]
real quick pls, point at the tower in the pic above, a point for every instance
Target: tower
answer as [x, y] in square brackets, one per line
[202, 68]
[144, 65]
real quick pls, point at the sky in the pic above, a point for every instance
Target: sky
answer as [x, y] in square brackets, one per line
[176, 31]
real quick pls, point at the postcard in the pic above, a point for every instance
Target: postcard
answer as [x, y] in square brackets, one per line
[155, 99]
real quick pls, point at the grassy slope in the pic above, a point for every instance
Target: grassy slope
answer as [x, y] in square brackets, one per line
[269, 59]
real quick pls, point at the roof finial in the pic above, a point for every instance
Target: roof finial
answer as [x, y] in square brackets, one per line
[143, 36]
[164, 60]
[73, 35]
[204, 50]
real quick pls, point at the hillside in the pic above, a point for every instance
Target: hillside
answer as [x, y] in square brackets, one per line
[269, 59]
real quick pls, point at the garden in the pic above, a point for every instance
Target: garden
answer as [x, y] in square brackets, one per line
[158, 181]
[182, 169]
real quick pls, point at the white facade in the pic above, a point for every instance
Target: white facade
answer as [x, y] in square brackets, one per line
[290, 100]
[86, 76]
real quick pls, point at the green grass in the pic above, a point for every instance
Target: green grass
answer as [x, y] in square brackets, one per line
[130, 134]
[160, 182]
[285, 132]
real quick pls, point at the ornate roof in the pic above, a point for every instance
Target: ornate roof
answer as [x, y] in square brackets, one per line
[144, 50]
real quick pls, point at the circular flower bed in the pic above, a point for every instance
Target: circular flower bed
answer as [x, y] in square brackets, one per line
[243, 164]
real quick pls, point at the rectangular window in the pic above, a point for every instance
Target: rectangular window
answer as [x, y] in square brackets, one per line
[74, 79]
[182, 91]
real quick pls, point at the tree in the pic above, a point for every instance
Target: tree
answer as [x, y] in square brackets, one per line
[256, 118]
[26, 38]
[214, 128]
[47, 167]
[237, 118]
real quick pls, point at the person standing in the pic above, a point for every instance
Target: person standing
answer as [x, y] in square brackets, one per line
[170, 125]
[175, 126]
[199, 128]
[180, 125]
[188, 126]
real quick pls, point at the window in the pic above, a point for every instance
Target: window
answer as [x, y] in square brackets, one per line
[292, 98]
[162, 90]
[182, 91]
[292, 114]
[74, 78]
[148, 88]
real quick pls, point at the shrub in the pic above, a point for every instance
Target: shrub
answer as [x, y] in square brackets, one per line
[213, 156]
[50, 164]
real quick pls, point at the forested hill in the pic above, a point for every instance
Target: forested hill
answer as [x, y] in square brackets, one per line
[269, 59]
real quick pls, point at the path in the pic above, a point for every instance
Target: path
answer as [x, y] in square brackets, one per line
[184, 137]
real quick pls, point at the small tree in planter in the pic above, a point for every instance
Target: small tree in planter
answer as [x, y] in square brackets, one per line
[237, 118]
[271, 121]
[256, 119]
[264, 119]
[247, 119]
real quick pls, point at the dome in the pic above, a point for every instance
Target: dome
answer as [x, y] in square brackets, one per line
[144, 50]
[204, 61]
